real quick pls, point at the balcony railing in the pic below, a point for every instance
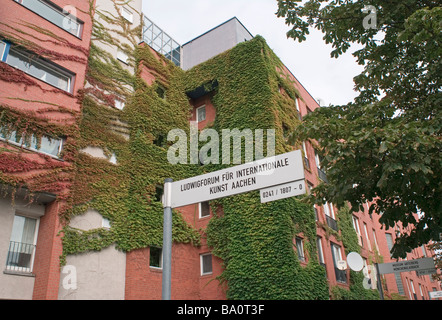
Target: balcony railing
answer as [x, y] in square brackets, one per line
[332, 223]
[20, 256]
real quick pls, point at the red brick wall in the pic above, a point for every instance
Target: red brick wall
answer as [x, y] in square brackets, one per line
[33, 97]
[47, 255]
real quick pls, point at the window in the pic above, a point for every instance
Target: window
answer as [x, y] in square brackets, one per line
[201, 114]
[105, 223]
[113, 159]
[119, 104]
[358, 231]
[206, 264]
[421, 292]
[412, 288]
[300, 249]
[22, 244]
[48, 145]
[2, 51]
[306, 162]
[204, 209]
[366, 236]
[320, 253]
[122, 56]
[156, 257]
[341, 275]
[37, 67]
[389, 238]
[126, 14]
[424, 252]
[375, 241]
[161, 92]
[55, 15]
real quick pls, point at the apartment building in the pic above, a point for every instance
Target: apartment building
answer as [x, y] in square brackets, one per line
[88, 95]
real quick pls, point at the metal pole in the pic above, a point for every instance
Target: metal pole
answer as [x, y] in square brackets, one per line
[167, 241]
[379, 283]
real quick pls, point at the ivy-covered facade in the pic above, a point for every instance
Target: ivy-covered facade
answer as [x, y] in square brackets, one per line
[100, 196]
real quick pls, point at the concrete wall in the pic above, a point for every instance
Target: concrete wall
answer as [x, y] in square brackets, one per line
[93, 275]
[214, 42]
[113, 10]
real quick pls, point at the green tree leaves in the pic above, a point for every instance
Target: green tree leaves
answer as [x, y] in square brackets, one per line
[386, 145]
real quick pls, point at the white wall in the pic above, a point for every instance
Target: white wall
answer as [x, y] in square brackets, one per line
[93, 275]
[14, 285]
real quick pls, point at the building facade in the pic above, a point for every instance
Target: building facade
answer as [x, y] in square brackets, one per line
[90, 91]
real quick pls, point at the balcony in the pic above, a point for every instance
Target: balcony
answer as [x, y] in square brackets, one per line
[332, 223]
[20, 257]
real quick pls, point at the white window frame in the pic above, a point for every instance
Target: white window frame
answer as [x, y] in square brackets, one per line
[200, 211]
[113, 158]
[61, 12]
[375, 240]
[127, 14]
[120, 104]
[357, 229]
[22, 144]
[105, 223]
[202, 263]
[328, 210]
[300, 249]
[197, 112]
[122, 56]
[366, 236]
[55, 69]
[34, 244]
[320, 251]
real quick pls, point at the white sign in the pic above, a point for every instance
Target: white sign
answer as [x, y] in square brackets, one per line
[246, 177]
[435, 294]
[283, 191]
[423, 272]
[342, 265]
[406, 265]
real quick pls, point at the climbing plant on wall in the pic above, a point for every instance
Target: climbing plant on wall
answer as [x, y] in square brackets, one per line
[254, 240]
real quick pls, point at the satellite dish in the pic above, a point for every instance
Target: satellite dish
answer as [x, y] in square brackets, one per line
[354, 261]
[365, 272]
[366, 283]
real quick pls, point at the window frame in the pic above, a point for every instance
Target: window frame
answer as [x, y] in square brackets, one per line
[36, 60]
[200, 210]
[160, 267]
[128, 13]
[197, 112]
[60, 11]
[125, 58]
[23, 144]
[202, 264]
[300, 249]
[9, 268]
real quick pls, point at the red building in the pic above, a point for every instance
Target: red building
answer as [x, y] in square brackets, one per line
[81, 89]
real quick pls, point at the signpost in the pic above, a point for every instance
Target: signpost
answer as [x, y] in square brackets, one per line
[283, 191]
[285, 171]
[243, 178]
[407, 265]
[435, 294]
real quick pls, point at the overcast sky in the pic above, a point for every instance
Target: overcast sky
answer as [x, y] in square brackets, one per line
[325, 78]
